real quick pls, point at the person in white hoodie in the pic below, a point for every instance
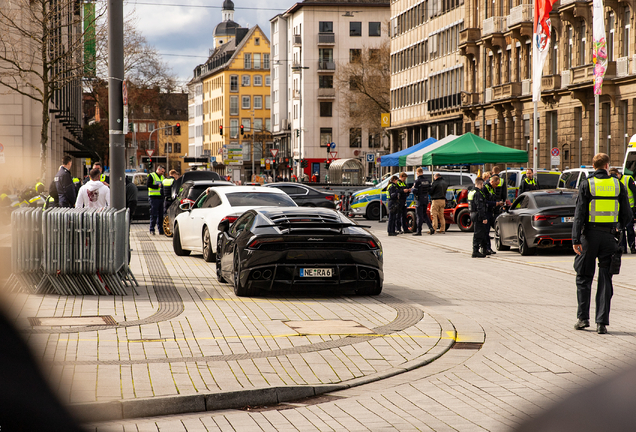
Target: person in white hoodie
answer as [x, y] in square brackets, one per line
[93, 194]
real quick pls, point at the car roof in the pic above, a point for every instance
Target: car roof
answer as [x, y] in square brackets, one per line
[297, 211]
[210, 182]
[250, 189]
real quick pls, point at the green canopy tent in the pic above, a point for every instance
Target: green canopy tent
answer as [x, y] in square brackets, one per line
[469, 149]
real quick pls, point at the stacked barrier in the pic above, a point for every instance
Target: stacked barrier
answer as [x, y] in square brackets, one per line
[71, 251]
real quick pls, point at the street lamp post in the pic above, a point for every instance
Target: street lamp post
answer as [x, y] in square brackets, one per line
[300, 120]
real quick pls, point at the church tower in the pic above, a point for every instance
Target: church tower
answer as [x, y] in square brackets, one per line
[226, 29]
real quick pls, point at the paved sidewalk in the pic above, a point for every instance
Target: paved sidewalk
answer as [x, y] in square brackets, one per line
[187, 335]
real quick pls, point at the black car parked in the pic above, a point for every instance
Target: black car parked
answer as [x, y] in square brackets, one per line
[193, 175]
[190, 191]
[537, 219]
[294, 248]
[143, 205]
[306, 196]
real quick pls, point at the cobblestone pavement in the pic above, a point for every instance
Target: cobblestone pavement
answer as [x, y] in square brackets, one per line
[187, 334]
[531, 357]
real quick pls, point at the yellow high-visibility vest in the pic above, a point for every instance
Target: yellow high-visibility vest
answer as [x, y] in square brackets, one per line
[156, 190]
[625, 180]
[604, 206]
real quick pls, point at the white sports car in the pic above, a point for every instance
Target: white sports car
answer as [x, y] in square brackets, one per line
[196, 229]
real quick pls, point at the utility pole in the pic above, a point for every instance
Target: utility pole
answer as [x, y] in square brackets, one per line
[117, 153]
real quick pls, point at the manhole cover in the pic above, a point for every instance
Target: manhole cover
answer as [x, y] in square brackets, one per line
[97, 320]
[328, 327]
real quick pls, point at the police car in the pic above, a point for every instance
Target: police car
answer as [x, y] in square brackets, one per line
[572, 178]
[513, 177]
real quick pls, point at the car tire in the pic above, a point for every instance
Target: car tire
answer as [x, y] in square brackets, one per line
[464, 222]
[219, 273]
[239, 289]
[176, 243]
[411, 220]
[523, 243]
[498, 243]
[208, 255]
[166, 226]
[373, 211]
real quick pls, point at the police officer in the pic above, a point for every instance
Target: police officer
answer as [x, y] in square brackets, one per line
[421, 189]
[628, 182]
[529, 183]
[477, 206]
[393, 196]
[167, 188]
[401, 224]
[64, 184]
[602, 209]
[492, 206]
[155, 183]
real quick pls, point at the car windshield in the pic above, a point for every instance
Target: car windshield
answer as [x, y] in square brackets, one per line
[557, 199]
[247, 199]
[548, 180]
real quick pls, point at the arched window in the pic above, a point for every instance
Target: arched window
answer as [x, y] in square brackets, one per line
[626, 32]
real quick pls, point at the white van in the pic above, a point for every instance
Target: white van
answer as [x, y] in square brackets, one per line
[572, 178]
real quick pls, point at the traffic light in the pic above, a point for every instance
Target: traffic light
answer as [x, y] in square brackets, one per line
[150, 164]
[177, 129]
[221, 130]
[304, 163]
[327, 164]
[130, 127]
[132, 161]
[242, 129]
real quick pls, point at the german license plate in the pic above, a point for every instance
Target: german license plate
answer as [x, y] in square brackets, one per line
[315, 272]
[567, 219]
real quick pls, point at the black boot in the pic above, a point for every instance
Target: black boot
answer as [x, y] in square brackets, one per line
[477, 253]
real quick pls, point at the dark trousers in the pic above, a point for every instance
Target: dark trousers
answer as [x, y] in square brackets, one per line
[422, 216]
[627, 240]
[401, 223]
[480, 237]
[601, 245]
[393, 217]
[156, 214]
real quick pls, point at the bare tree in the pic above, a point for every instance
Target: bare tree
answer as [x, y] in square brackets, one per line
[363, 86]
[41, 45]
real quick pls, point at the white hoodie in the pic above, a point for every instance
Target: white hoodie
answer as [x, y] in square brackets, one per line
[93, 194]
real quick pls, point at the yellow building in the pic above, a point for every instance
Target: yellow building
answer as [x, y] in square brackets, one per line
[172, 142]
[235, 87]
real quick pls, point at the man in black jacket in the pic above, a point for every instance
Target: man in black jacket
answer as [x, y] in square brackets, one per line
[602, 209]
[401, 224]
[477, 203]
[528, 182]
[421, 189]
[64, 184]
[393, 195]
[438, 199]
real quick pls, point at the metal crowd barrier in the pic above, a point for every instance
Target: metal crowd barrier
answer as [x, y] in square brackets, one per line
[71, 251]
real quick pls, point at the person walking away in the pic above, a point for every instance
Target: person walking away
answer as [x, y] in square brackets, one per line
[401, 225]
[64, 184]
[627, 239]
[154, 183]
[529, 183]
[93, 194]
[602, 209]
[421, 189]
[438, 198]
[392, 195]
[477, 207]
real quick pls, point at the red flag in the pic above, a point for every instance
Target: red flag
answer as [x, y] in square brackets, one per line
[540, 43]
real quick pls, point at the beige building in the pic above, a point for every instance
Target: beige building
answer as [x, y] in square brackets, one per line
[427, 70]
[498, 101]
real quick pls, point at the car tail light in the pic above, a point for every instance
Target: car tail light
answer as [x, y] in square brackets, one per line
[256, 243]
[186, 200]
[230, 219]
[330, 197]
[543, 217]
[369, 242]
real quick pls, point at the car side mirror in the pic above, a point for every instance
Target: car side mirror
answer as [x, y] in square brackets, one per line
[187, 206]
[224, 225]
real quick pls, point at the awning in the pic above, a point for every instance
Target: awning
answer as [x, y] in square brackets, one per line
[83, 151]
[469, 149]
[415, 159]
[393, 159]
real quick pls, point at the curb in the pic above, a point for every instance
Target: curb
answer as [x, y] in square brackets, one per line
[170, 405]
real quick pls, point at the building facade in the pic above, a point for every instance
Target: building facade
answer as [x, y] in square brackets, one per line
[310, 40]
[427, 70]
[231, 99]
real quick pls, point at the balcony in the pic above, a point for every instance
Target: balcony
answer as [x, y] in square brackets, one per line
[520, 21]
[468, 38]
[326, 93]
[298, 41]
[582, 76]
[470, 98]
[574, 10]
[326, 66]
[506, 91]
[326, 38]
[550, 83]
[493, 30]
[565, 3]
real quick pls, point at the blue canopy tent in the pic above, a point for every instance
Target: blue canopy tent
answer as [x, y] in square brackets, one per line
[393, 159]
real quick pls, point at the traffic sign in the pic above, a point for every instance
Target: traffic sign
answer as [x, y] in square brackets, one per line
[554, 151]
[385, 120]
[333, 154]
[150, 152]
[332, 145]
[274, 152]
[555, 160]
[370, 157]
[268, 161]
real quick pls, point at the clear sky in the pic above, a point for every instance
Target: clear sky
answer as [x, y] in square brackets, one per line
[181, 30]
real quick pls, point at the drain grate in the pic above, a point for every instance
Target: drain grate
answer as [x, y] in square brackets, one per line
[467, 345]
[94, 320]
